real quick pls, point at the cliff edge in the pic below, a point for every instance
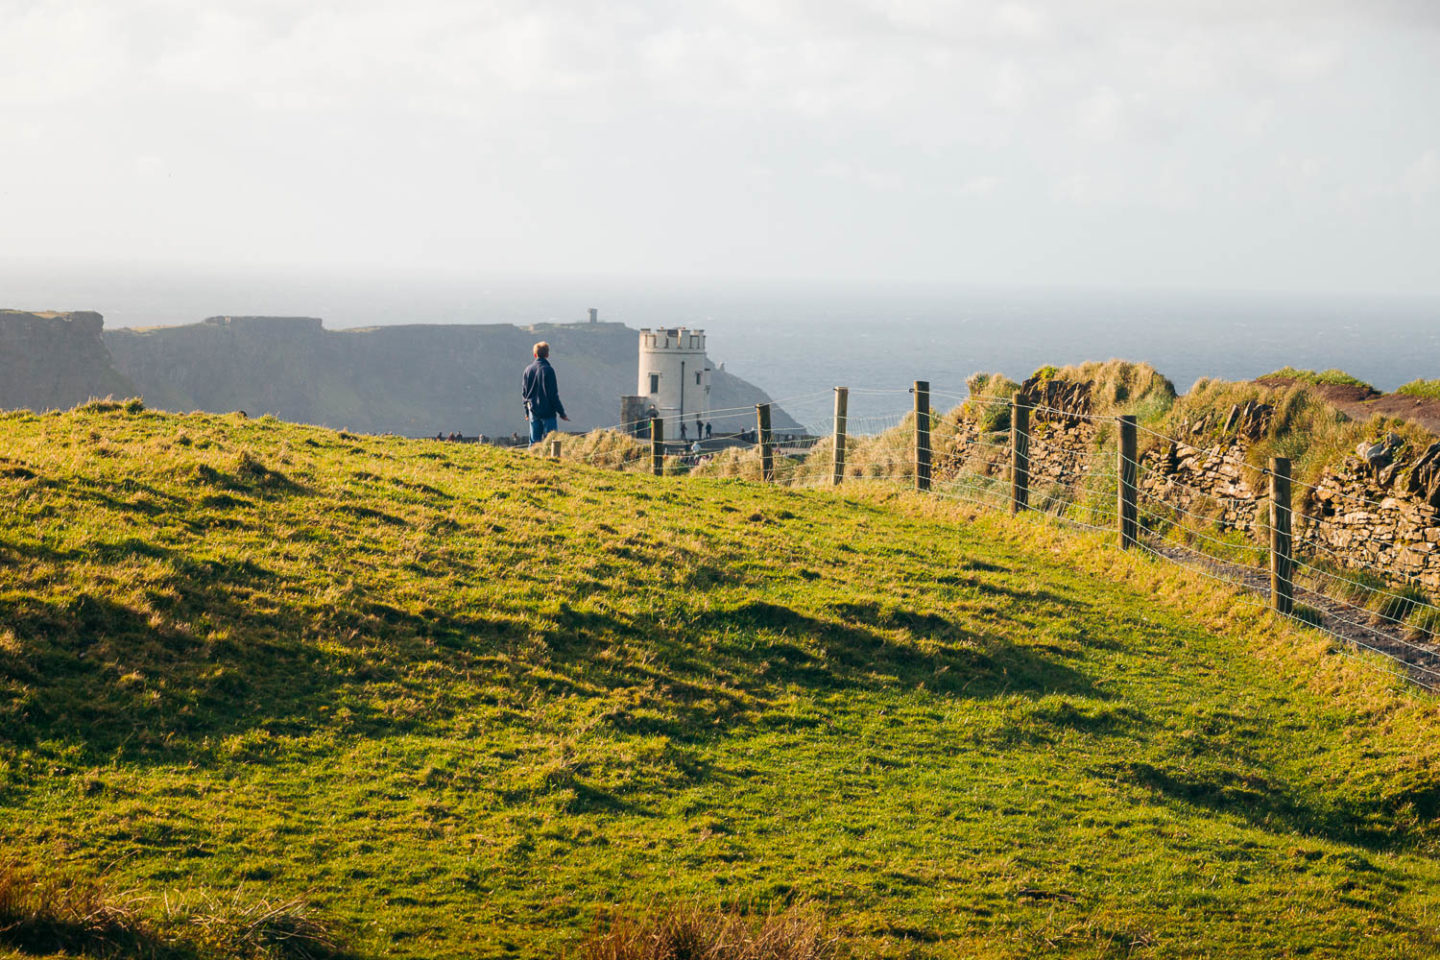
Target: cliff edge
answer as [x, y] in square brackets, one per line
[411, 379]
[51, 360]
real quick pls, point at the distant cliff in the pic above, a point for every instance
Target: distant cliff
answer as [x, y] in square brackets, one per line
[415, 379]
[55, 360]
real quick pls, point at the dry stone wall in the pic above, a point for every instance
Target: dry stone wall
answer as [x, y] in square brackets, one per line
[1354, 515]
[1379, 510]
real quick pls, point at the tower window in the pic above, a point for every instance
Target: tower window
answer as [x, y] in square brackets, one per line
[697, 379]
[654, 383]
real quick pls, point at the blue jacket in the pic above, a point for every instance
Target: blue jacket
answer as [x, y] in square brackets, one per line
[538, 390]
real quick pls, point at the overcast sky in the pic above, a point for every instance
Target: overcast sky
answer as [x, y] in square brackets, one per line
[1211, 144]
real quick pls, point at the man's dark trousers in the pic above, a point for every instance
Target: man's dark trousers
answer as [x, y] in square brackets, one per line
[540, 426]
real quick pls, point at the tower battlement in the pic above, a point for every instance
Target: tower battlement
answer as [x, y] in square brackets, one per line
[672, 339]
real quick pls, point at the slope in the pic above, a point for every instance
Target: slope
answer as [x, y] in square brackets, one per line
[466, 701]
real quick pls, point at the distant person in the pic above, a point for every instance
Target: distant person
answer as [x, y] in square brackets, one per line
[440, 435]
[707, 430]
[683, 438]
[541, 395]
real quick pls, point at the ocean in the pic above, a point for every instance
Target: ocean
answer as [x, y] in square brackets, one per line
[799, 340]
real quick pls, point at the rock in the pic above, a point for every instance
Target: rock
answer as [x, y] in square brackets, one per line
[1424, 477]
[1232, 419]
[1062, 401]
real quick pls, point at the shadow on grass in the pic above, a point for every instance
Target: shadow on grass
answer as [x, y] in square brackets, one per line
[230, 646]
[872, 647]
[87, 939]
[1273, 804]
[223, 647]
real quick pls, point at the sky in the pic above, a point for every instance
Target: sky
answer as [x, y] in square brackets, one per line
[1270, 145]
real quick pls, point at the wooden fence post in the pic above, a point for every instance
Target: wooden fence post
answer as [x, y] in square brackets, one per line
[555, 449]
[922, 435]
[1282, 563]
[1129, 475]
[842, 404]
[767, 455]
[1019, 453]
[657, 446]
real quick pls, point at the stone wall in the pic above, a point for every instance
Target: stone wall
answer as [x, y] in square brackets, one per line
[1379, 509]
[1383, 524]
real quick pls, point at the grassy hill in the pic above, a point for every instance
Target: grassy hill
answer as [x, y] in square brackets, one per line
[465, 702]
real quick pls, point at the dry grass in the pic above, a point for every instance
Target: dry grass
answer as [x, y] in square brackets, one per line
[52, 914]
[1312, 434]
[257, 928]
[45, 914]
[609, 449]
[695, 932]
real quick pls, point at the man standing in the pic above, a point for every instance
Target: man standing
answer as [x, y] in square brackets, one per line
[542, 398]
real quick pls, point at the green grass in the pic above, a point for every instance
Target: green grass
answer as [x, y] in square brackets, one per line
[1425, 389]
[1332, 377]
[468, 702]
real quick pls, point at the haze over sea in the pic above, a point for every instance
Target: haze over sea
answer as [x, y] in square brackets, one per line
[798, 340]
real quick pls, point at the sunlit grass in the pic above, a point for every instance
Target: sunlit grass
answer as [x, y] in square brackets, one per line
[471, 702]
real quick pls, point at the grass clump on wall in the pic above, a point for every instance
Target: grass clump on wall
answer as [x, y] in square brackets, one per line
[1122, 387]
[989, 401]
[1304, 427]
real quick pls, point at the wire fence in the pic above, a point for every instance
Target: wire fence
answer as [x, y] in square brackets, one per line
[1080, 482]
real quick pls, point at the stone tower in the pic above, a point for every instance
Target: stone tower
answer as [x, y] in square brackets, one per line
[675, 377]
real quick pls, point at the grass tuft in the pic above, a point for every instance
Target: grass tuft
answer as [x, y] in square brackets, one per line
[989, 403]
[695, 932]
[284, 930]
[1332, 377]
[1123, 386]
[1423, 625]
[1397, 604]
[42, 915]
[1424, 389]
